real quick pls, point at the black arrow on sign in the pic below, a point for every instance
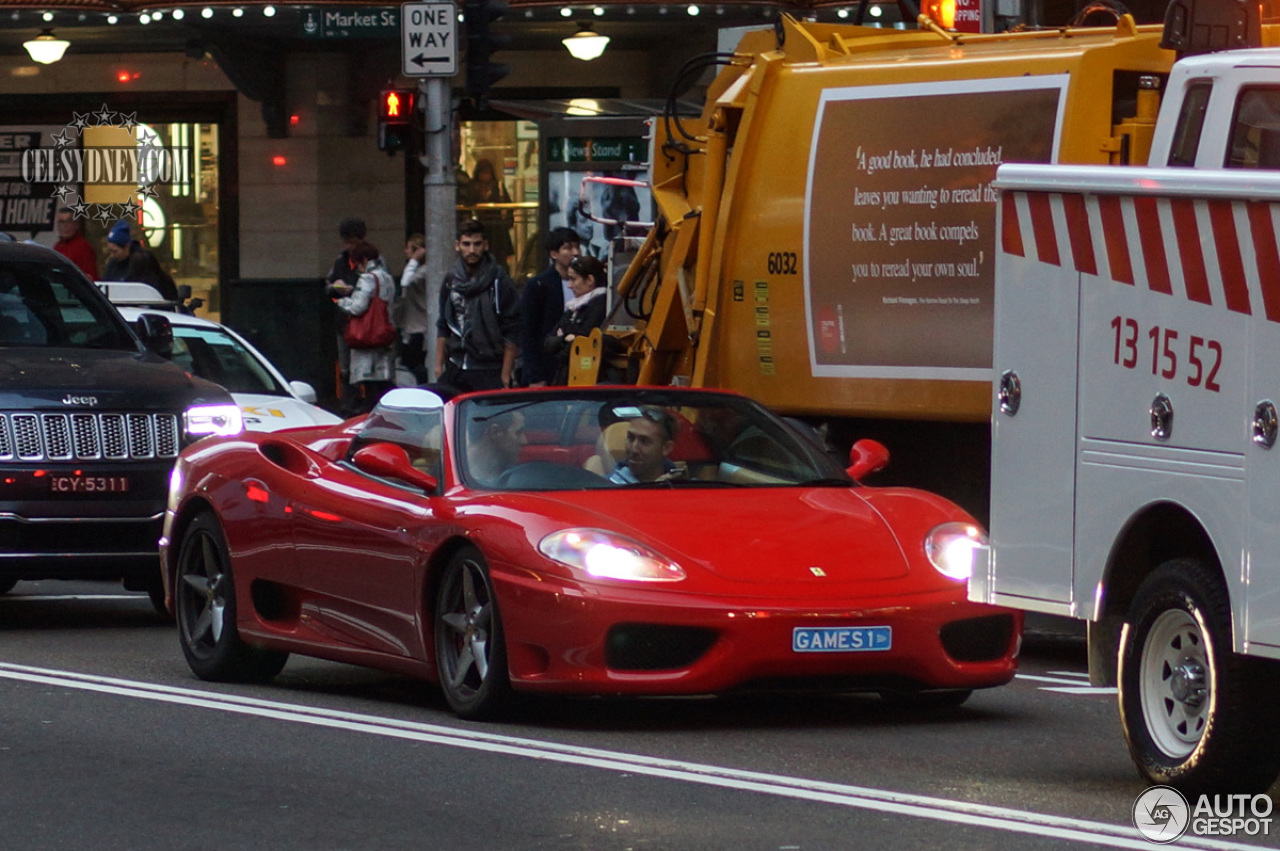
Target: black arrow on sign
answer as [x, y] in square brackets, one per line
[421, 60]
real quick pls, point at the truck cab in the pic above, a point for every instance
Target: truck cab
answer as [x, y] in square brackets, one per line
[1135, 478]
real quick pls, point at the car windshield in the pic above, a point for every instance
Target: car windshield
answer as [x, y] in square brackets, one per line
[48, 305]
[213, 354]
[629, 437]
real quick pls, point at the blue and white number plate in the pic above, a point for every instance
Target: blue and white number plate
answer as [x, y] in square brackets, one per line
[841, 639]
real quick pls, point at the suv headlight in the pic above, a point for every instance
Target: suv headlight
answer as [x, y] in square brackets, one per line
[606, 555]
[222, 420]
[951, 548]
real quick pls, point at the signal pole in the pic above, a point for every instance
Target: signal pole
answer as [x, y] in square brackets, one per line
[440, 194]
[429, 50]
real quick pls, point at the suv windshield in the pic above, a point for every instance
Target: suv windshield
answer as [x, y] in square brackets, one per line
[47, 305]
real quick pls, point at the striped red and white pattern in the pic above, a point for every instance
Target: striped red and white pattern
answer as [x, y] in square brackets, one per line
[1213, 251]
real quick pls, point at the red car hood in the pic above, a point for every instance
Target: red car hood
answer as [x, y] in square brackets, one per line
[826, 534]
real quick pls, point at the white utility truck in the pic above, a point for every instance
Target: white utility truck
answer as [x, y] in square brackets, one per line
[1135, 472]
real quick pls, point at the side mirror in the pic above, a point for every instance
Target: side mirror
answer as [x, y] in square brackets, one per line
[156, 333]
[389, 461]
[867, 457]
[305, 391]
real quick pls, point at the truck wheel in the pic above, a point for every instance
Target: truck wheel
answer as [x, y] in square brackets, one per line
[1194, 713]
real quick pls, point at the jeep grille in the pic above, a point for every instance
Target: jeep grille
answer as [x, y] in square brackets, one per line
[88, 437]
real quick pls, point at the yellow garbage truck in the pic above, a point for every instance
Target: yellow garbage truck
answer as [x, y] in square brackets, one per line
[825, 236]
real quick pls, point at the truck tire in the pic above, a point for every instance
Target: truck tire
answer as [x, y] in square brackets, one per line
[1196, 716]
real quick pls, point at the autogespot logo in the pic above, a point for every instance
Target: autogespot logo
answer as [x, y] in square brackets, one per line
[1161, 814]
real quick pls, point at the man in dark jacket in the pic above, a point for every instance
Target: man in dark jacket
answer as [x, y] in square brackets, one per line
[478, 333]
[542, 304]
[127, 260]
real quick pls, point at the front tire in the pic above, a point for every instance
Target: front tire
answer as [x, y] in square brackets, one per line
[205, 606]
[1196, 716]
[471, 656]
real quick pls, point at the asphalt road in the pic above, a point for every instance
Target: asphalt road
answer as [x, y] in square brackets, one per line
[107, 741]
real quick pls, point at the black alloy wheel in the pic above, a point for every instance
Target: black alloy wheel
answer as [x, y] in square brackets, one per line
[205, 606]
[471, 658]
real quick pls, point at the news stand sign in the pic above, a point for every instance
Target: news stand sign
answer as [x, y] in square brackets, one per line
[428, 39]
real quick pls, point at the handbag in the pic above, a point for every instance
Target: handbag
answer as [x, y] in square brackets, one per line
[371, 329]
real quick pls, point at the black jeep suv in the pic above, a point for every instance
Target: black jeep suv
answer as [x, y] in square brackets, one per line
[92, 417]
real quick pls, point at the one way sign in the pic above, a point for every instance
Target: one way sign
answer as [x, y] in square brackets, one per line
[428, 39]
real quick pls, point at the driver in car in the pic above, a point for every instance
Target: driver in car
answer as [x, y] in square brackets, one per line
[493, 445]
[650, 438]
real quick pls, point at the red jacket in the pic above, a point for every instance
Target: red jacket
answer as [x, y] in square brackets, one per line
[80, 252]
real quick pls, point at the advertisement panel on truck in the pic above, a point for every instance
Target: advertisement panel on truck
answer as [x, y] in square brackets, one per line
[900, 228]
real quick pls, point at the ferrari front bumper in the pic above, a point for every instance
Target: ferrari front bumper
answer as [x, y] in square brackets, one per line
[575, 640]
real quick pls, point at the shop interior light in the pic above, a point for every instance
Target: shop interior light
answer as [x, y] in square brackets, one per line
[693, 11]
[46, 48]
[584, 106]
[269, 11]
[178, 14]
[586, 44]
[206, 12]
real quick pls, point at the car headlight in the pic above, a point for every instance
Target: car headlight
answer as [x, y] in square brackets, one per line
[222, 420]
[952, 548]
[606, 555]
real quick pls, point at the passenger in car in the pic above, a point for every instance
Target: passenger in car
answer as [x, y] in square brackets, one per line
[493, 445]
[650, 438]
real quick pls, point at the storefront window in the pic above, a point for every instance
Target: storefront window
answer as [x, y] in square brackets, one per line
[180, 217]
[498, 184]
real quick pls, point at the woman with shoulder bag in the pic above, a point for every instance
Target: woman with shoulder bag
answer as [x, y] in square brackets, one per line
[586, 311]
[370, 333]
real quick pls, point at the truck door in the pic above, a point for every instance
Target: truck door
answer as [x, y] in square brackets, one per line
[1033, 422]
[1254, 143]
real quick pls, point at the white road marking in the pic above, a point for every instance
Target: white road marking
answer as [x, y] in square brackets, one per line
[1076, 684]
[29, 598]
[1082, 689]
[858, 797]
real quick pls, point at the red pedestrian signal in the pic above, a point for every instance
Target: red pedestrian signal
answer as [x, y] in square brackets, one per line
[396, 104]
[395, 119]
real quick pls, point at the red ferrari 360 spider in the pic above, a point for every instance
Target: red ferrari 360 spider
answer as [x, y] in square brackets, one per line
[620, 540]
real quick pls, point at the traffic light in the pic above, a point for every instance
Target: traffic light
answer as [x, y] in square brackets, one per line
[481, 73]
[395, 119]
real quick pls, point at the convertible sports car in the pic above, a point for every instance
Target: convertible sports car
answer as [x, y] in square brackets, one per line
[619, 540]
